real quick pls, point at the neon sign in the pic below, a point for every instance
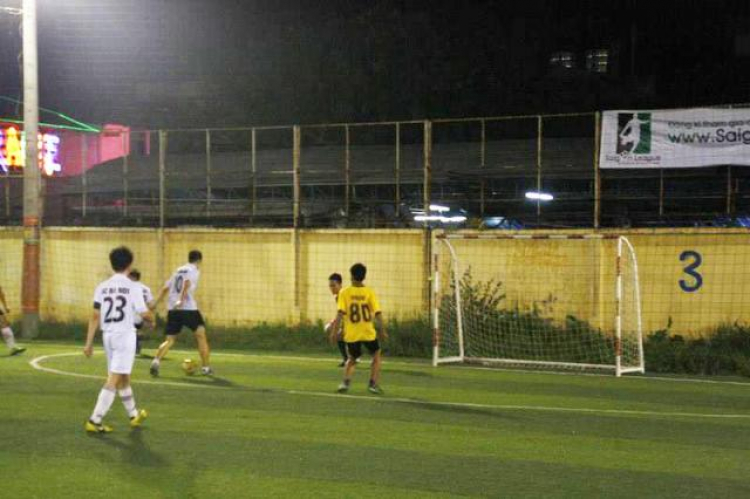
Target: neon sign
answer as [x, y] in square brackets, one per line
[13, 150]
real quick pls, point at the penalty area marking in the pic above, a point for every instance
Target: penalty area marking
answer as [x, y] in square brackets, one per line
[36, 363]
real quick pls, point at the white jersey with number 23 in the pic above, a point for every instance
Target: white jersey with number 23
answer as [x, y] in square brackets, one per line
[119, 301]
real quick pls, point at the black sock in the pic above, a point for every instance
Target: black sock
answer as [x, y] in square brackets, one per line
[342, 349]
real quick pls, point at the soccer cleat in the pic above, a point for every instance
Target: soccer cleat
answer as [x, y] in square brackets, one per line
[154, 370]
[343, 388]
[375, 389]
[92, 427]
[17, 350]
[207, 371]
[137, 420]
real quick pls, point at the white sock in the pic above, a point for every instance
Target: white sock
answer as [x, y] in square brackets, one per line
[126, 395]
[155, 362]
[10, 341]
[103, 403]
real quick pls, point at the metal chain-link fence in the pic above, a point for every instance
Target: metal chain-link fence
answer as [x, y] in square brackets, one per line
[477, 172]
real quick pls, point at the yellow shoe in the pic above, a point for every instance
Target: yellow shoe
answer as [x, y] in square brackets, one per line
[92, 427]
[137, 420]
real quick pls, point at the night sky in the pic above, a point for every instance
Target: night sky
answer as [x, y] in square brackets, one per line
[201, 63]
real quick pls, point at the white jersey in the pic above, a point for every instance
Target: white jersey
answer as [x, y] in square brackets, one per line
[148, 297]
[341, 322]
[119, 301]
[187, 272]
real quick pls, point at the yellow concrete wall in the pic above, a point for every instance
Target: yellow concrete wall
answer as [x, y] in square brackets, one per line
[11, 260]
[246, 276]
[581, 276]
[249, 275]
[724, 296]
[74, 261]
[395, 269]
[557, 277]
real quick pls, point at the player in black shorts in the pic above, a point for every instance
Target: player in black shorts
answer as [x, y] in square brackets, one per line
[183, 312]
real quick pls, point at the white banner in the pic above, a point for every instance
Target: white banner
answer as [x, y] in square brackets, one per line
[675, 139]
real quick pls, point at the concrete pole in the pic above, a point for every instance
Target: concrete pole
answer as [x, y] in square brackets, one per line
[31, 177]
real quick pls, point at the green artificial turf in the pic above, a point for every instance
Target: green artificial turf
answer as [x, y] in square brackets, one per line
[273, 426]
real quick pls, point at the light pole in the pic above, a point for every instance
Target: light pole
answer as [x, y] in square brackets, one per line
[31, 175]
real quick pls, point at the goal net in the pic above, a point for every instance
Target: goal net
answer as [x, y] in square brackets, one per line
[549, 301]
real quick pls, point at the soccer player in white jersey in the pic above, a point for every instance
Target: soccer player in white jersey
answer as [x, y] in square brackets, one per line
[183, 312]
[7, 332]
[148, 297]
[334, 284]
[117, 301]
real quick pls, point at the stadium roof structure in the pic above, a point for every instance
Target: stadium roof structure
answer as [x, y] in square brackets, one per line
[10, 110]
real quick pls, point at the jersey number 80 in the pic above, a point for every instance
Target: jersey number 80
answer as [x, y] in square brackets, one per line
[359, 313]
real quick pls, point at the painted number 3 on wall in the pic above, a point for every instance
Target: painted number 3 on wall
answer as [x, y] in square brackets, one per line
[695, 282]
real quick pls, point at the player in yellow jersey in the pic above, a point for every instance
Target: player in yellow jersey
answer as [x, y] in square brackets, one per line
[7, 332]
[359, 309]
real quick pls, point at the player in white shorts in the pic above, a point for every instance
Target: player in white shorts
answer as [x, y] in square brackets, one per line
[183, 312]
[148, 297]
[117, 302]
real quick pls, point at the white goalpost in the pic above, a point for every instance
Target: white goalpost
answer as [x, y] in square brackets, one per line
[557, 301]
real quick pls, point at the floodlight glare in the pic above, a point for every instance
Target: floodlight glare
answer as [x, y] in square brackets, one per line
[539, 196]
[440, 218]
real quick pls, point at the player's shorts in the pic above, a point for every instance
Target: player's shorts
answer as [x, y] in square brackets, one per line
[120, 350]
[354, 349]
[177, 319]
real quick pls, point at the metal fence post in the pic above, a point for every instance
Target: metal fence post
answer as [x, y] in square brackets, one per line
[729, 190]
[661, 192]
[347, 172]
[7, 198]
[84, 167]
[253, 173]
[482, 165]
[208, 173]
[597, 172]
[162, 169]
[427, 199]
[427, 166]
[539, 131]
[296, 140]
[125, 168]
[296, 250]
[398, 170]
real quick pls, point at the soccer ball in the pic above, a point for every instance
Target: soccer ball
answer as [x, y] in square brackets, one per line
[189, 366]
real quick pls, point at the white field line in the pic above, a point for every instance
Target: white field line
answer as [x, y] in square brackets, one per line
[479, 368]
[623, 379]
[36, 363]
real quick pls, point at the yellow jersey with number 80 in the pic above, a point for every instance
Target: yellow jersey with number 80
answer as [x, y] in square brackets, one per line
[359, 306]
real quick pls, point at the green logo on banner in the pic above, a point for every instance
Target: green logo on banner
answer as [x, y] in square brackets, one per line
[633, 133]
